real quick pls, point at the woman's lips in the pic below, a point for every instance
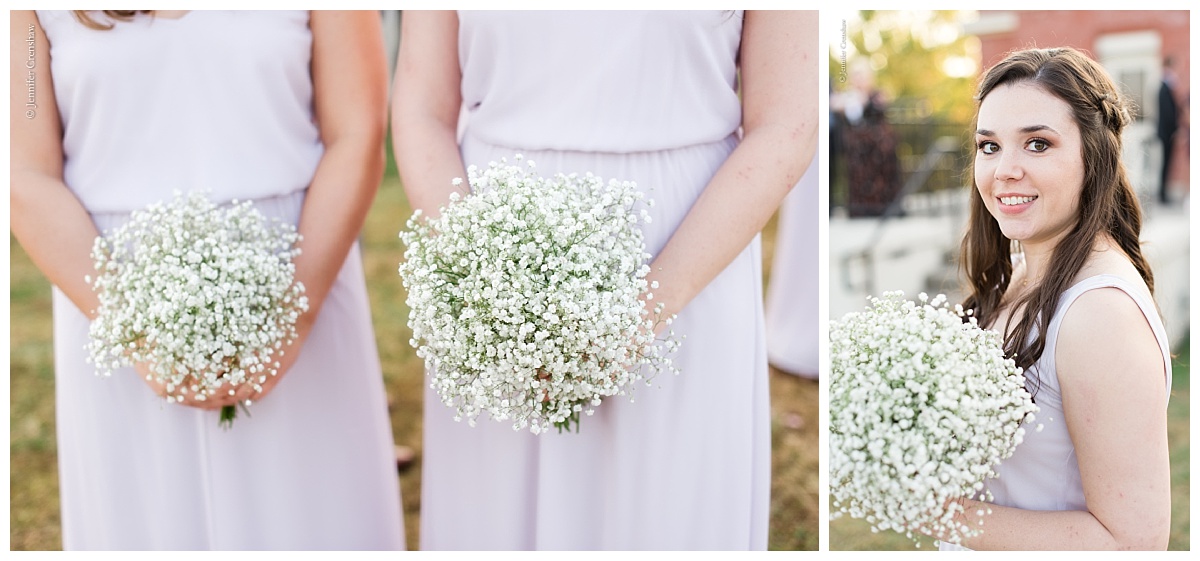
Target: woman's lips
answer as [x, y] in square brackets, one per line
[1015, 204]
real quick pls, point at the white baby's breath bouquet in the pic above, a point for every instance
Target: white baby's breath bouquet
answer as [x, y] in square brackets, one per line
[525, 296]
[922, 407]
[203, 295]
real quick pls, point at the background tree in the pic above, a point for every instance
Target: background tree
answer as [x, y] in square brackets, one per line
[926, 69]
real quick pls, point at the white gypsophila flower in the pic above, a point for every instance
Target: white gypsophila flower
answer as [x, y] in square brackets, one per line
[203, 295]
[922, 406]
[524, 296]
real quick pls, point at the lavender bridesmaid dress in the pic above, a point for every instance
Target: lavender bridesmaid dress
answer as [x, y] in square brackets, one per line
[220, 101]
[649, 97]
[793, 302]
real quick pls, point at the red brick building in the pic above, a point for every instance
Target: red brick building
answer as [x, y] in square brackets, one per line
[1132, 46]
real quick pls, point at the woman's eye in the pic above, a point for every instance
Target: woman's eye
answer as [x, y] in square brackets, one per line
[989, 147]
[1037, 145]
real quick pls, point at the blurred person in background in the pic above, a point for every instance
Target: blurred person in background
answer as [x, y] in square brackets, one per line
[793, 295]
[1168, 126]
[868, 143]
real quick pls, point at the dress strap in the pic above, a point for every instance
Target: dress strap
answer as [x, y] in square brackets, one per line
[1140, 297]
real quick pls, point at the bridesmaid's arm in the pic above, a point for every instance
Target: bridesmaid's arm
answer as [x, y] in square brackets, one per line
[426, 100]
[779, 118]
[1115, 402]
[47, 219]
[349, 72]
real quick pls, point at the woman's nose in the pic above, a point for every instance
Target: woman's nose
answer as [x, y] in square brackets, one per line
[1008, 166]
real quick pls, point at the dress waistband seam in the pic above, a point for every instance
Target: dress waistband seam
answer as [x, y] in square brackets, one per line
[731, 138]
[227, 202]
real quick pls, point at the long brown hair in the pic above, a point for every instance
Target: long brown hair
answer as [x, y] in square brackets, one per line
[1108, 204]
[113, 15]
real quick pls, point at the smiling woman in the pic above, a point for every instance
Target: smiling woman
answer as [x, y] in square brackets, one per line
[1075, 306]
[1029, 168]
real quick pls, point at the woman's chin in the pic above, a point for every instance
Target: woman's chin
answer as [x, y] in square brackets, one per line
[1015, 234]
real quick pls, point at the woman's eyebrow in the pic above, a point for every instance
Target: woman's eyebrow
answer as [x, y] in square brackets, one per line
[1028, 129]
[1036, 128]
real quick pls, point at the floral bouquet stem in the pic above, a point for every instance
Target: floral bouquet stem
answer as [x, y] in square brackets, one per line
[229, 413]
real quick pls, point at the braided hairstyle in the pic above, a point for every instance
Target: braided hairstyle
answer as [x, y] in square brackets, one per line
[114, 16]
[1108, 204]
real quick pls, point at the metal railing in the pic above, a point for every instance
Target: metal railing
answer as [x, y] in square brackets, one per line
[941, 148]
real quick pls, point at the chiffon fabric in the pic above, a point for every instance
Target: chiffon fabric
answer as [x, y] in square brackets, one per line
[793, 302]
[648, 97]
[222, 102]
[1043, 472]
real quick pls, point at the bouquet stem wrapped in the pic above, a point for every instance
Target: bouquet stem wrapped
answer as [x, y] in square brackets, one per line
[203, 295]
[922, 406]
[526, 296]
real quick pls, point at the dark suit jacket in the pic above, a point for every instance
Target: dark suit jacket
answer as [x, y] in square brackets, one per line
[1168, 115]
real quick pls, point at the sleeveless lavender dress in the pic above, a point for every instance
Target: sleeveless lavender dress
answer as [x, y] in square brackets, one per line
[219, 101]
[649, 97]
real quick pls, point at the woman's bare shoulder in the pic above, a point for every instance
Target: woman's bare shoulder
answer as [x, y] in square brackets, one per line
[1106, 330]
[1108, 259]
